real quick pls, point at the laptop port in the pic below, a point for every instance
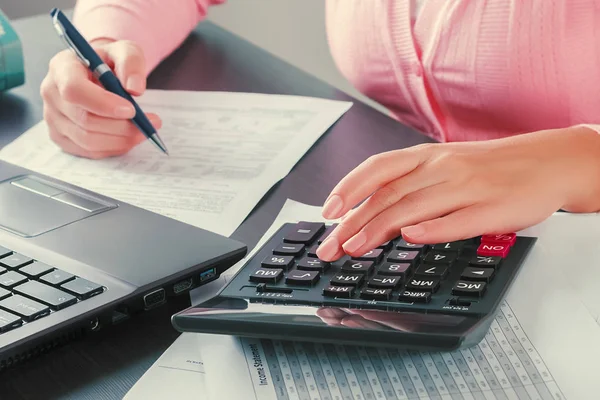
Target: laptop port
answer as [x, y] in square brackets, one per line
[183, 286]
[208, 274]
[155, 298]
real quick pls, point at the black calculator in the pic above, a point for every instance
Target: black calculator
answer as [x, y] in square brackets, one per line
[440, 296]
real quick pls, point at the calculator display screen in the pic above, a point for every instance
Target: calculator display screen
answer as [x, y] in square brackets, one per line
[245, 312]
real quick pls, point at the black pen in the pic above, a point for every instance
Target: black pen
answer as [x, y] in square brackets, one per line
[102, 72]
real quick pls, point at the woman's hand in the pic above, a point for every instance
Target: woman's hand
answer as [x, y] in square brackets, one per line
[445, 192]
[86, 120]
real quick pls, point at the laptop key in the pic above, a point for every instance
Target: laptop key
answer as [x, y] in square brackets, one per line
[26, 308]
[4, 293]
[9, 321]
[5, 252]
[53, 297]
[57, 277]
[82, 288]
[35, 269]
[2, 269]
[11, 279]
[14, 261]
[304, 232]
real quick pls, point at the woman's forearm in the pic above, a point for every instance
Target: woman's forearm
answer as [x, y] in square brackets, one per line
[158, 26]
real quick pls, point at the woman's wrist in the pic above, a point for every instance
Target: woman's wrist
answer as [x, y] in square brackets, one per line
[581, 178]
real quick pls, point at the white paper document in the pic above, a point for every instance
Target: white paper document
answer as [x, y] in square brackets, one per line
[543, 344]
[226, 151]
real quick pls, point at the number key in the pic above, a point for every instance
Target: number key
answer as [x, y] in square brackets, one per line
[403, 256]
[404, 245]
[436, 257]
[284, 262]
[401, 269]
[451, 247]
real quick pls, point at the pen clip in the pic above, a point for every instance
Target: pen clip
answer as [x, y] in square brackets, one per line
[61, 32]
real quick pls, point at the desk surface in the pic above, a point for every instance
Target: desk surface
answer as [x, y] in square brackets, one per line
[106, 365]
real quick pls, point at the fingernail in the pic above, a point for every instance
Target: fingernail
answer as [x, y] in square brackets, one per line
[135, 83]
[125, 112]
[332, 207]
[413, 231]
[355, 242]
[328, 248]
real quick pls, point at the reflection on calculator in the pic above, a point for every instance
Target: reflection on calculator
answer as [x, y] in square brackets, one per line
[436, 297]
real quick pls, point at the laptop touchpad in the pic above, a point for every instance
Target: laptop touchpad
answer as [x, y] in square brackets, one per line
[30, 206]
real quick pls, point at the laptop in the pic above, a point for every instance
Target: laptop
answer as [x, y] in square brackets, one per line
[72, 261]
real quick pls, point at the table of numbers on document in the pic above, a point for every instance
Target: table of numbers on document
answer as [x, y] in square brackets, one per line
[505, 365]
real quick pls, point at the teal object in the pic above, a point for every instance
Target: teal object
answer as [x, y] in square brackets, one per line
[12, 70]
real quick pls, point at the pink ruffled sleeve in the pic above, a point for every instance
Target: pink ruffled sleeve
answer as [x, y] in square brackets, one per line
[158, 26]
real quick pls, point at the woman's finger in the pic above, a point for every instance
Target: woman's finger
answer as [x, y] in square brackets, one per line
[94, 123]
[92, 141]
[74, 85]
[375, 172]
[432, 202]
[68, 146]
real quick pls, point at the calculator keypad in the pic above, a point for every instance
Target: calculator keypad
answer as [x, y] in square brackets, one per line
[395, 273]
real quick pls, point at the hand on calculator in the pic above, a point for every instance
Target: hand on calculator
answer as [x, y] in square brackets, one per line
[446, 192]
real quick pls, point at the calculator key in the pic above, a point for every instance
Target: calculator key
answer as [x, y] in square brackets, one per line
[266, 275]
[327, 232]
[25, 308]
[57, 277]
[403, 256]
[431, 271]
[4, 293]
[400, 269]
[347, 280]
[289, 249]
[35, 269]
[385, 246]
[404, 245]
[411, 296]
[353, 267]
[302, 277]
[9, 321]
[15, 261]
[339, 291]
[313, 264]
[506, 238]
[385, 282]
[425, 285]
[304, 232]
[312, 252]
[11, 278]
[438, 257]
[472, 289]
[284, 262]
[495, 250]
[451, 247]
[477, 274]
[5, 252]
[485, 262]
[372, 255]
[82, 288]
[57, 299]
[376, 294]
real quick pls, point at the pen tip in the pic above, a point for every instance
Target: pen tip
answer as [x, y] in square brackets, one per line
[154, 138]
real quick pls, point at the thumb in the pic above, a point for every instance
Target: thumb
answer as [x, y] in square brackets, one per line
[129, 65]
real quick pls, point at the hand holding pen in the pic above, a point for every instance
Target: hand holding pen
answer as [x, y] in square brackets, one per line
[85, 119]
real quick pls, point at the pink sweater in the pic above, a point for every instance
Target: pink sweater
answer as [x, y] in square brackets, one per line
[456, 69]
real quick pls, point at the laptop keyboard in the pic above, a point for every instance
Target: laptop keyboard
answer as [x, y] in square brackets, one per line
[463, 276]
[30, 289]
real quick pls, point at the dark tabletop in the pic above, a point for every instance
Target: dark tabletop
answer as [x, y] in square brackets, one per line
[107, 364]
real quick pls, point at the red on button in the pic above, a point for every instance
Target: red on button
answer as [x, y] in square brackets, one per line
[490, 249]
[505, 238]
